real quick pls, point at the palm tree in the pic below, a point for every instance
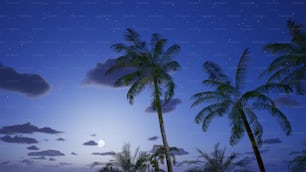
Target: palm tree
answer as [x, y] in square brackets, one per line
[290, 65]
[128, 162]
[298, 164]
[231, 99]
[152, 65]
[218, 161]
[158, 155]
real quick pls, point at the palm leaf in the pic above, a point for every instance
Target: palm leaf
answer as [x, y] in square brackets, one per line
[215, 72]
[241, 70]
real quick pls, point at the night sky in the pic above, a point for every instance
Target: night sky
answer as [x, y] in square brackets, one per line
[56, 104]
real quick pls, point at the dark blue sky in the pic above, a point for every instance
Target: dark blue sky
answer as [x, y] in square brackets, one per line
[61, 41]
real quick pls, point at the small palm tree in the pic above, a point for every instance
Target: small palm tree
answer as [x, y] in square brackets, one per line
[158, 156]
[230, 98]
[217, 161]
[298, 164]
[152, 65]
[290, 65]
[128, 162]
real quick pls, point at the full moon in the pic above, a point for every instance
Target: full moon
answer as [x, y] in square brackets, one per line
[101, 143]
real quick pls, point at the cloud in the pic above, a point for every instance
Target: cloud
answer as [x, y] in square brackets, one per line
[73, 153]
[40, 158]
[5, 163]
[170, 106]
[29, 84]
[286, 101]
[60, 139]
[28, 162]
[271, 141]
[64, 163]
[52, 159]
[262, 151]
[47, 153]
[103, 153]
[94, 164]
[97, 74]
[90, 143]
[32, 148]
[153, 138]
[18, 139]
[27, 128]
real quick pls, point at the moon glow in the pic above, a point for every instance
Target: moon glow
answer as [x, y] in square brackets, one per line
[101, 143]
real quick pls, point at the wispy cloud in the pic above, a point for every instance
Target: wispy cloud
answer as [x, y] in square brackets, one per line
[98, 75]
[286, 101]
[103, 153]
[271, 141]
[90, 143]
[153, 138]
[170, 106]
[19, 139]
[60, 139]
[47, 153]
[27, 128]
[29, 84]
[73, 153]
[32, 148]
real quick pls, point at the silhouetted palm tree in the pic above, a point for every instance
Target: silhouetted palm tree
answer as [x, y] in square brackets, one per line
[159, 156]
[109, 169]
[152, 66]
[298, 164]
[218, 162]
[290, 65]
[128, 162]
[230, 98]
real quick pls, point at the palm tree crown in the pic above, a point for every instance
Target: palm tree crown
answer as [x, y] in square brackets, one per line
[151, 67]
[230, 98]
[217, 161]
[290, 66]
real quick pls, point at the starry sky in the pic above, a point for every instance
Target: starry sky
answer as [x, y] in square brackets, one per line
[56, 104]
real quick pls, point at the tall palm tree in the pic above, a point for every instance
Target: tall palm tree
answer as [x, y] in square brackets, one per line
[290, 65]
[298, 163]
[159, 155]
[152, 66]
[231, 99]
[217, 161]
[128, 162]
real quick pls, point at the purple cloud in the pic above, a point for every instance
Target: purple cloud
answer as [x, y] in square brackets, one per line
[18, 139]
[103, 153]
[271, 141]
[170, 106]
[98, 75]
[90, 143]
[153, 138]
[73, 153]
[40, 158]
[27, 161]
[286, 101]
[29, 84]
[178, 151]
[60, 139]
[47, 153]
[32, 148]
[26, 128]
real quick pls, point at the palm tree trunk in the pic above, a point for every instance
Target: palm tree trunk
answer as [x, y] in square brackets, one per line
[253, 141]
[161, 125]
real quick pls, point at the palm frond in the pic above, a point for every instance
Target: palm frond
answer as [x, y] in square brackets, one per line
[158, 48]
[215, 72]
[171, 66]
[241, 70]
[237, 130]
[208, 96]
[171, 51]
[135, 89]
[278, 48]
[274, 87]
[255, 125]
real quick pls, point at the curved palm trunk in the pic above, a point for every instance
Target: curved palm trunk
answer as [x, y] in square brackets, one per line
[161, 125]
[253, 141]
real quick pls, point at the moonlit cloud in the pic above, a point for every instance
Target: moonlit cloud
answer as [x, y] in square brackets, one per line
[170, 106]
[47, 153]
[271, 141]
[27, 161]
[90, 143]
[60, 139]
[153, 138]
[18, 139]
[40, 158]
[98, 75]
[73, 153]
[179, 151]
[286, 101]
[103, 153]
[32, 148]
[27, 128]
[29, 84]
